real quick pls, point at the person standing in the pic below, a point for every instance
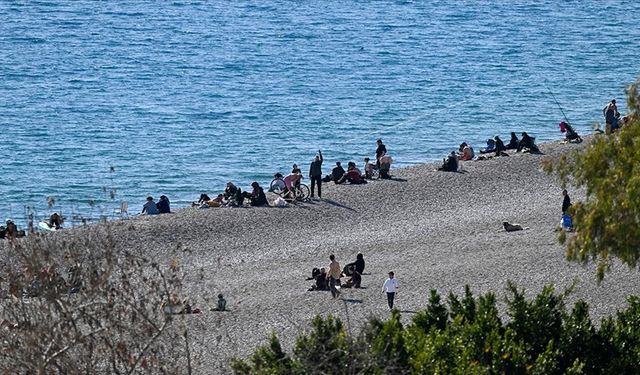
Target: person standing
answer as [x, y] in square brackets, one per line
[334, 276]
[390, 286]
[380, 151]
[566, 201]
[610, 113]
[315, 174]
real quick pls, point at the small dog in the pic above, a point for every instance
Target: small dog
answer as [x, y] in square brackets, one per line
[511, 227]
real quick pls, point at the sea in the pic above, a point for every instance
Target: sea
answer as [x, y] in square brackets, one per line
[110, 101]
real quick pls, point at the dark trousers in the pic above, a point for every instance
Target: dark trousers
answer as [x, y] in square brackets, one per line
[332, 286]
[316, 180]
[390, 299]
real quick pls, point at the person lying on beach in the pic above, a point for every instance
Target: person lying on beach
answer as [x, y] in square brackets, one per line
[450, 164]
[513, 142]
[527, 143]
[491, 147]
[257, 196]
[150, 207]
[164, 206]
[353, 175]
[202, 200]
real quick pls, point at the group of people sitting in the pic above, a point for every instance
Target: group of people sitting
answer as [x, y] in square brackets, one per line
[352, 270]
[10, 231]
[495, 146]
[163, 206]
[233, 196]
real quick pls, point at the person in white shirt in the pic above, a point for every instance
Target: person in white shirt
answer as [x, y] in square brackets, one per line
[390, 286]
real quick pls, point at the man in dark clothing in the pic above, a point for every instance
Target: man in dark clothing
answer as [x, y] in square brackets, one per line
[450, 164]
[337, 172]
[315, 173]
[527, 142]
[380, 151]
[500, 147]
[566, 202]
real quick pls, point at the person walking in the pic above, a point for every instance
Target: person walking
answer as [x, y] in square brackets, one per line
[390, 287]
[315, 174]
[334, 276]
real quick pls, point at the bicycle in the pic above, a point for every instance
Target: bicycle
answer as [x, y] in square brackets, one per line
[301, 191]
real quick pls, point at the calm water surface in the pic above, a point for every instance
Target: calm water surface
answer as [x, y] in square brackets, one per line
[109, 101]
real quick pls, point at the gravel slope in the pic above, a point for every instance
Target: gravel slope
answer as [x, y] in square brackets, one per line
[434, 229]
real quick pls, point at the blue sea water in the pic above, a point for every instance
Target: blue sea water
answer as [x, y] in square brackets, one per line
[117, 100]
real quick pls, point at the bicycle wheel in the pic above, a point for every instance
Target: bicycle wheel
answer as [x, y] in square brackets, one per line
[277, 186]
[302, 192]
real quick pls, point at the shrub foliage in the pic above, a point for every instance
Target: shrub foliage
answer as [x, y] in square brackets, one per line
[466, 336]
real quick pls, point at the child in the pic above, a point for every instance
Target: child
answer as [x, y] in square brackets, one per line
[390, 286]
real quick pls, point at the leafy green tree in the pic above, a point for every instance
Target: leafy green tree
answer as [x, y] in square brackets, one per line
[607, 224]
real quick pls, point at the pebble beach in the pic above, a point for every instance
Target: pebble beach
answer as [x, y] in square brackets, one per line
[435, 230]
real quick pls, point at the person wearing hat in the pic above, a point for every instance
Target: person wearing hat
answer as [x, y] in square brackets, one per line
[610, 113]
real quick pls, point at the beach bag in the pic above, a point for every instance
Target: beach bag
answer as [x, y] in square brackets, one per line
[280, 202]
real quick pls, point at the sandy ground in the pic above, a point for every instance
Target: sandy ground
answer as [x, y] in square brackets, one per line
[436, 230]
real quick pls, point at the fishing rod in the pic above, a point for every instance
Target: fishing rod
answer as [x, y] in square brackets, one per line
[558, 104]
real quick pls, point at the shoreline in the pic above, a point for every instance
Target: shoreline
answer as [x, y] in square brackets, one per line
[435, 230]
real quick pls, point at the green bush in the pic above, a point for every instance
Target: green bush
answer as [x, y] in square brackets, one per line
[467, 336]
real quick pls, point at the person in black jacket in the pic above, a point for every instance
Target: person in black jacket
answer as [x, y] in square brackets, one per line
[315, 173]
[566, 201]
[527, 142]
[450, 164]
[500, 147]
[380, 151]
[257, 196]
[336, 173]
[513, 142]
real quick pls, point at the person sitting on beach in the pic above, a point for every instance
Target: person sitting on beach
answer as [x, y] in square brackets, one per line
[355, 270]
[221, 305]
[499, 146]
[233, 195]
[257, 196]
[465, 152]
[164, 205]
[296, 169]
[150, 207]
[368, 169]
[527, 143]
[450, 164]
[385, 166]
[353, 175]
[491, 147]
[513, 142]
[336, 173]
[55, 221]
[3, 232]
[320, 280]
[570, 134]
